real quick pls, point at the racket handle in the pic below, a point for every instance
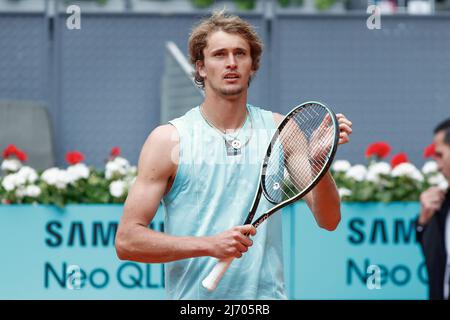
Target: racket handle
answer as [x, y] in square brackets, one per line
[213, 279]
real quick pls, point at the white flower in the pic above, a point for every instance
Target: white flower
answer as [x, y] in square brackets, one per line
[20, 179]
[9, 182]
[72, 177]
[122, 162]
[56, 177]
[119, 166]
[344, 192]
[50, 176]
[33, 191]
[77, 172]
[28, 174]
[117, 188]
[357, 172]
[111, 168]
[430, 167]
[11, 165]
[63, 179]
[21, 192]
[341, 166]
[377, 169]
[407, 169]
[12, 181]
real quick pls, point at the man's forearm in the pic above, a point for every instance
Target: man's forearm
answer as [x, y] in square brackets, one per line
[144, 245]
[326, 203]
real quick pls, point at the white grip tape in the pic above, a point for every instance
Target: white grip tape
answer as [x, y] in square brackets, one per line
[213, 279]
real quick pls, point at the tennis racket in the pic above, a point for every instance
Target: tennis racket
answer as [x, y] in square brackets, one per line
[298, 156]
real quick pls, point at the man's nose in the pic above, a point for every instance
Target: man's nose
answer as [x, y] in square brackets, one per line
[231, 61]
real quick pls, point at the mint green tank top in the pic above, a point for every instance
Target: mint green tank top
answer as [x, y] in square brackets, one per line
[213, 192]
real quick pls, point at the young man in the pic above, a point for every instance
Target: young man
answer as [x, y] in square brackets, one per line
[433, 223]
[198, 165]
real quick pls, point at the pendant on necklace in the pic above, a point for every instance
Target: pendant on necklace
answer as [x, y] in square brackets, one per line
[233, 147]
[236, 144]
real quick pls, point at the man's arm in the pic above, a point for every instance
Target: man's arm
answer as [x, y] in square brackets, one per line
[324, 200]
[135, 241]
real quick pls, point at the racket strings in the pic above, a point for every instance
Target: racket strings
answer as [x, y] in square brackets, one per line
[294, 166]
[293, 181]
[321, 143]
[299, 153]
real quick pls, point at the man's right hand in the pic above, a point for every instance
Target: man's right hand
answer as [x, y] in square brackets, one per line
[231, 243]
[430, 202]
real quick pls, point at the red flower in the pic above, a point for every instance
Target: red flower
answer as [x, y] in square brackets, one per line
[398, 159]
[378, 149]
[429, 151]
[12, 150]
[22, 156]
[74, 157]
[115, 152]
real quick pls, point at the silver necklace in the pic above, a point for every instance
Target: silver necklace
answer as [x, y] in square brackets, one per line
[233, 145]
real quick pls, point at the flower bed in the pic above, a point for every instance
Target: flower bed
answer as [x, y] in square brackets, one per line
[77, 183]
[379, 180]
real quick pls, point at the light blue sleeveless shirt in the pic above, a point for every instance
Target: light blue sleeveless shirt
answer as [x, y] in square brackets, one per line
[213, 192]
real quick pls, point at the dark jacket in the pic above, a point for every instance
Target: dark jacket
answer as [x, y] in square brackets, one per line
[432, 240]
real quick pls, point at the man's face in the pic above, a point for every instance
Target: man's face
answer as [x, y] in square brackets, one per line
[227, 65]
[442, 154]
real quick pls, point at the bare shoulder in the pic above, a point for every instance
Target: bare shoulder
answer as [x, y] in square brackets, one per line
[165, 133]
[163, 138]
[160, 151]
[277, 117]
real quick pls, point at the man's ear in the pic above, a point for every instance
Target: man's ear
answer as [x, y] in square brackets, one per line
[200, 66]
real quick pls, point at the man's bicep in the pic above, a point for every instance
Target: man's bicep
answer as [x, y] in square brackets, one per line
[155, 169]
[143, 201]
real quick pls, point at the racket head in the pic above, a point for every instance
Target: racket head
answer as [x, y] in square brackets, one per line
[309, 133]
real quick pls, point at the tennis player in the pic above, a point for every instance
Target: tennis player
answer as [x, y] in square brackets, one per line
[201, 166]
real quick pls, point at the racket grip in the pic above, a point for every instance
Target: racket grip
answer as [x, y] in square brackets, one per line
[213, 279]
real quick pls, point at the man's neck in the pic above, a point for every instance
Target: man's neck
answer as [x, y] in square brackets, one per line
[225, 113]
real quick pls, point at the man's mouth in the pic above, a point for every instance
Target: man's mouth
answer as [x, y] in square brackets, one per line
[231, 76]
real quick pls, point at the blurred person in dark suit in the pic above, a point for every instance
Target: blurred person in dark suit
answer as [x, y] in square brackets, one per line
[433, 223]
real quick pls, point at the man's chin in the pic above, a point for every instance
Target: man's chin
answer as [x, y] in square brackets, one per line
[231, 91]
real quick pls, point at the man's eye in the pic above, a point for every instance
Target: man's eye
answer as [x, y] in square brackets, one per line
[218, 54]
